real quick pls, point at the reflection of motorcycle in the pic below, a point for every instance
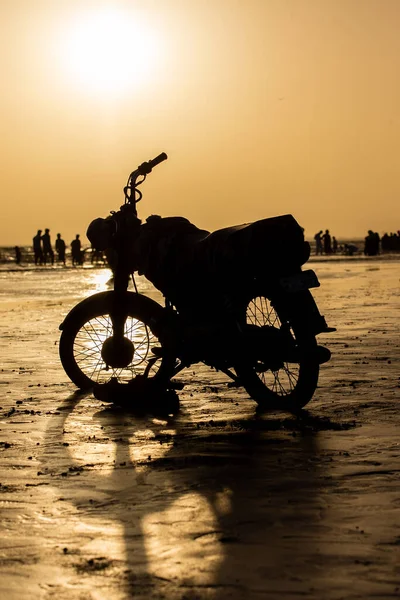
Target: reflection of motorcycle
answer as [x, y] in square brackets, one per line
[235, 299]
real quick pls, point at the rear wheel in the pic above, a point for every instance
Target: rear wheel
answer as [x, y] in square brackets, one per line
[87, 341]
[279, 382]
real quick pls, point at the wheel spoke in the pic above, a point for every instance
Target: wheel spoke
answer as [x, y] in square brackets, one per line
[292, 377]
[282, 381]
[278, 385]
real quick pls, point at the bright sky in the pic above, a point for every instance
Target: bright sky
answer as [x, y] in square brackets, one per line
[264, 107]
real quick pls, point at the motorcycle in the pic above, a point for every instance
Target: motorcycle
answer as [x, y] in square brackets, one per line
[236, 299]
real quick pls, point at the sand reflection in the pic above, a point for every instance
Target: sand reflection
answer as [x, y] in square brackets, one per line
[183, 541]
[99, 280]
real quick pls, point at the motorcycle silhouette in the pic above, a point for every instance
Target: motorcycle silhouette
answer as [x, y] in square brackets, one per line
[236, 299]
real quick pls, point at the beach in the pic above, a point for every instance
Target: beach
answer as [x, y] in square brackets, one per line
[220, 501]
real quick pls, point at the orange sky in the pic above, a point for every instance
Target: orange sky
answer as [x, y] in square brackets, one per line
[264, 107]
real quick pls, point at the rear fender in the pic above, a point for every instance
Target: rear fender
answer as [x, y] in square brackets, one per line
[301, 310]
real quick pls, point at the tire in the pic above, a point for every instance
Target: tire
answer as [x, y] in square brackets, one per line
[88, 325]
[288, 385]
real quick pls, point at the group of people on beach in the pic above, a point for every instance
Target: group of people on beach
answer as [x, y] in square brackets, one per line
[390, 242]
[43, 250]
[373, 244]
[325, 243]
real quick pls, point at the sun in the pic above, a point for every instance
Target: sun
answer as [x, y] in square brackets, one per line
[110, 51]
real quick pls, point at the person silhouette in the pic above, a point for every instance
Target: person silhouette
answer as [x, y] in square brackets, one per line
[17, 250]
[327, 242]
[47, 249]
[318, 242]
[60, 248]
[76, 251]
[37, 248]
[371, 247]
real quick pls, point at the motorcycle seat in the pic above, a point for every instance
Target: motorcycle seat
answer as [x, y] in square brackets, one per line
[272, 243]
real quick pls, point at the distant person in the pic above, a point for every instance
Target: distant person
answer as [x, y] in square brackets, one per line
[47, 249]
[37, 248]
[318, 242]
[385, 242]
[334, 245]
[327, 242]
[371, 243]
[393, 241]
[76, 251]
[60, 248]
[17, 255]
[368, 243]
[377, 241]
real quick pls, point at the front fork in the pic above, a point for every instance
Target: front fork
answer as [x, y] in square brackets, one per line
[119, 308]
[121, 350]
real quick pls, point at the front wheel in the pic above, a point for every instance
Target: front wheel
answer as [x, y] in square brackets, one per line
[88, 330]
[281, 381]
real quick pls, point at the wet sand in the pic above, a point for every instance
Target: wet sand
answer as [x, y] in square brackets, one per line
[219, 501]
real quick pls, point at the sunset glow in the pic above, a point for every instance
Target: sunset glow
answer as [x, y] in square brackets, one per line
[264, 108]
[109, 51]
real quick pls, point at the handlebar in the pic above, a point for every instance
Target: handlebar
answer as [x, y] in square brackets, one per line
[147, 167]
[158, 159]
